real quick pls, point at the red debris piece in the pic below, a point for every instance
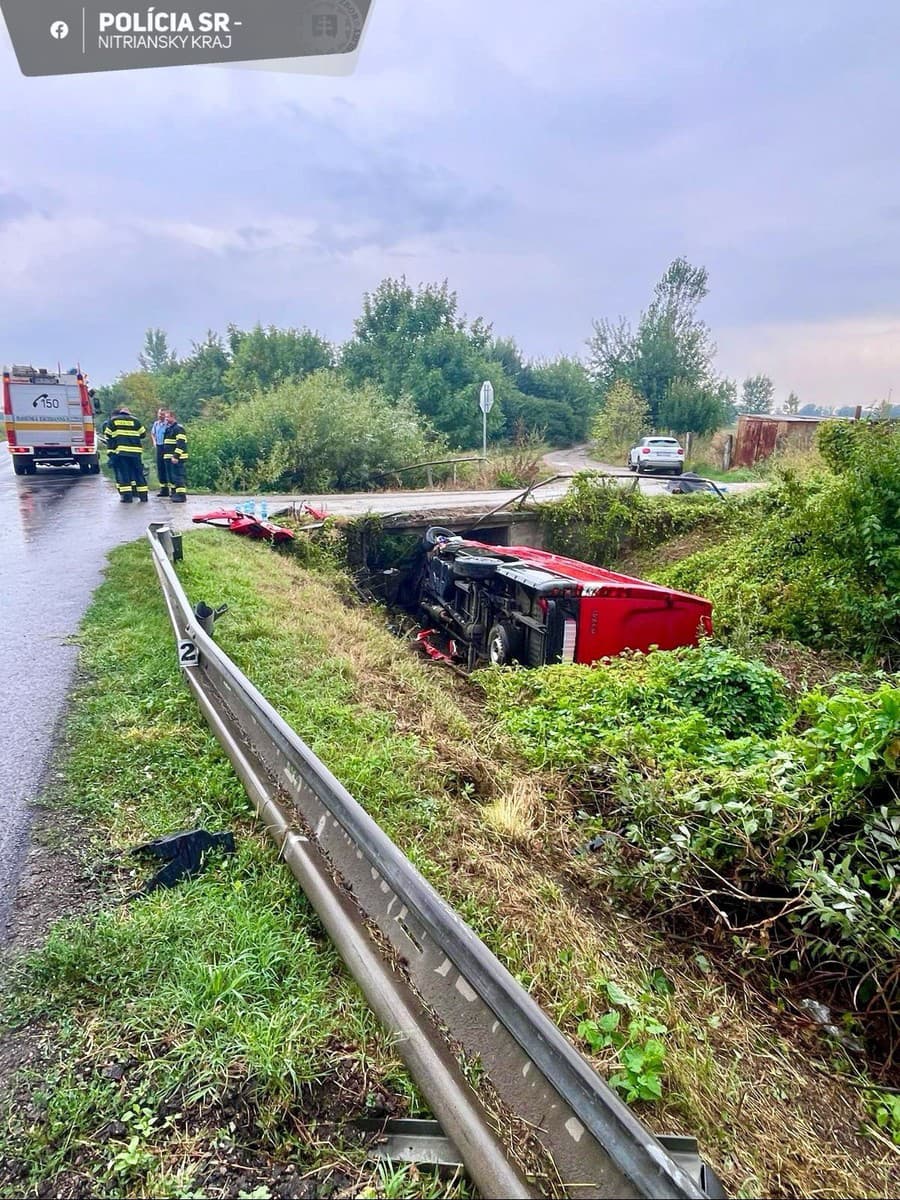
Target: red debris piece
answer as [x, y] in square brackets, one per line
[245, 525]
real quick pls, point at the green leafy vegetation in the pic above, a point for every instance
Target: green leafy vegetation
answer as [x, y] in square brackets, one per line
[634, 1035]
[817, 558]
[624, 417]
[667, 360]
[598, 521]
[778, 826]
[315, 435]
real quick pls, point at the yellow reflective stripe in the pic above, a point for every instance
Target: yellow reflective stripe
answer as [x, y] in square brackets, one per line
[129, 450]
[37, 426]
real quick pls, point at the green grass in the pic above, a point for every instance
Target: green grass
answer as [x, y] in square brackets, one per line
[231, 1019]
[225, 985]
[735, 475]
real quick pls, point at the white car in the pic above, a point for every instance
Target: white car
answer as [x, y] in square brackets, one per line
[656, 454]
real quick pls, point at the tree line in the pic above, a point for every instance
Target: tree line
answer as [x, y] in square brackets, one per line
[412, 347]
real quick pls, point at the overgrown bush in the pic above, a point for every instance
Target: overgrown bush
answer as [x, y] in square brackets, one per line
[778, 827]
[820, 561]
[598, 520]
[315, 435]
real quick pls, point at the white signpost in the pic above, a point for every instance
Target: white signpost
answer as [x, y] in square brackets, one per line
[486, 403]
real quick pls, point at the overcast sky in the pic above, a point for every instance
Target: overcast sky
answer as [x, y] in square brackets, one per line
[549, 160]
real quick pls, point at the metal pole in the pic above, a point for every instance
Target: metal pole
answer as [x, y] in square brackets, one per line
[484, 433]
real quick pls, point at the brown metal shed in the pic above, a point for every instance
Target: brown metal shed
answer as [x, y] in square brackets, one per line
[759, 436]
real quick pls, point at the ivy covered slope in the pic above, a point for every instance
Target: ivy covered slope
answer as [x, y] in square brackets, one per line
[770, 817]
[817, 559]
[774, 824]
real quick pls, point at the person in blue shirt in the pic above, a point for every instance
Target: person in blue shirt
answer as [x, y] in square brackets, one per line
[157, 437]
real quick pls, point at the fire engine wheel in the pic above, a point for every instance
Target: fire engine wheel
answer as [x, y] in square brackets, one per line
[502, 644]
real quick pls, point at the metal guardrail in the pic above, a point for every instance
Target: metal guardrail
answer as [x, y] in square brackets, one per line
[396, 472]
[422, 969]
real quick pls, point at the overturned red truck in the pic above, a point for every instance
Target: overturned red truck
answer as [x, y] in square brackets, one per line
[513, 604]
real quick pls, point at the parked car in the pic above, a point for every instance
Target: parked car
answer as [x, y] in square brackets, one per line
[693, 483]
[656, 454]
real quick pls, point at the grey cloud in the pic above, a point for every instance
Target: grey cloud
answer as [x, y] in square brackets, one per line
[14, 207]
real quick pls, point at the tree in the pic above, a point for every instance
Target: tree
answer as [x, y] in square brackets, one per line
[156, 358]
[691, 409]
[670, 342]
[757, 393]
[196, 386]
[138, 391]
[263, 358]
[415, 344]
[311, 434]
[395, 323]
[792, 404]
[624, 417]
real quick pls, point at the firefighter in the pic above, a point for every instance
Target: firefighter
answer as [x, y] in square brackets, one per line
[124, 436]
[175, 453]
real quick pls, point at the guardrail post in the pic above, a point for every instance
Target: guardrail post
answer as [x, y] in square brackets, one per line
[164, 535]
[207, 616]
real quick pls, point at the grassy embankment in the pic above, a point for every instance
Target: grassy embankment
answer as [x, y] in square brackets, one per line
[206, 1041]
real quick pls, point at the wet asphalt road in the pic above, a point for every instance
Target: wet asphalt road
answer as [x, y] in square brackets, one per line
[55, 530]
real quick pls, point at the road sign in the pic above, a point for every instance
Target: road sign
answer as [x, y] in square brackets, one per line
[486, 399]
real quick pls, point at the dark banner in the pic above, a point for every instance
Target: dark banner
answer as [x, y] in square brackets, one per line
[63, 37]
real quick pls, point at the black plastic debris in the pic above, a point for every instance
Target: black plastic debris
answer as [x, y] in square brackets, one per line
[595, 844]
[183, 853]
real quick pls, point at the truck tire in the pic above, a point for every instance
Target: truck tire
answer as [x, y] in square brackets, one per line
[504, 644]
[435, 532]
[84, 467]
[472, 566]
[20, 466]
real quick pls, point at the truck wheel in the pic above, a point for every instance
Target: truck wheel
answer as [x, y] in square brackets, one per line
[84, 467]
[435, 532]
[471, 566]
[19, 466]
[503, 644]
